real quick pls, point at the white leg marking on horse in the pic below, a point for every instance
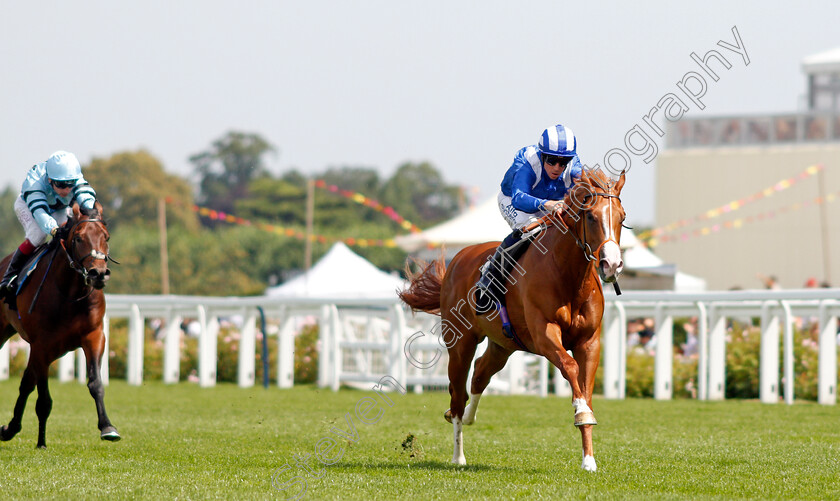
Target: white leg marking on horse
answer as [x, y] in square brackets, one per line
[580, 406]
[458, 439]
[472, 408]
[589, 463]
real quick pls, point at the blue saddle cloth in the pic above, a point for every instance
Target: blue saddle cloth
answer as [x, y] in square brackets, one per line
[20, 281]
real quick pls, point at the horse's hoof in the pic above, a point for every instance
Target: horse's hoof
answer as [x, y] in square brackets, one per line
[460, 461]
[585, 418]
[448, 415]
[110, 434]
[589, 463]
[7, 434]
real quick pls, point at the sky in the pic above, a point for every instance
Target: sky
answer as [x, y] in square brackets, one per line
[374, 84]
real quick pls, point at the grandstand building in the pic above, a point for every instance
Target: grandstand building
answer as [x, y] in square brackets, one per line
[739, 196]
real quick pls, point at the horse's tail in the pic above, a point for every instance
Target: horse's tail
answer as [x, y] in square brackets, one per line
[423, 292]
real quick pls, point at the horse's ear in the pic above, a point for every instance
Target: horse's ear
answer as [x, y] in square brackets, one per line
[620, 183]
[98, 208]
[584, 176]
[77, 213]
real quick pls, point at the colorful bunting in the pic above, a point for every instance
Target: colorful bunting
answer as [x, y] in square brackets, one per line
[363, 200]
[651, 241]
[731, 206]
[284, 231]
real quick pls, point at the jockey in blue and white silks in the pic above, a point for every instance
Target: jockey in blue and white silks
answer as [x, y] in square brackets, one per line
[534, 185]
[527, 188]
[48, 191]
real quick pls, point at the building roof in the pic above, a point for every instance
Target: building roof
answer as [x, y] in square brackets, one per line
[826, 61]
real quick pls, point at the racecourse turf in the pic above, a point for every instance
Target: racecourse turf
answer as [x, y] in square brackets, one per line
[185, 442]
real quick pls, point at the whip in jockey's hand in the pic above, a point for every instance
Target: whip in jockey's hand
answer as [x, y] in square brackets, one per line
[533, 186]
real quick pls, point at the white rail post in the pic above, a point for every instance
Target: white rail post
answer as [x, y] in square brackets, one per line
[172, 349]
[788, 367]
[81, 363]
[615, 347]
[827, 393]
[543, 376]
[246, 368]
[325, 338]
[135, 347]
[67, 367]
[769, 362]
[516, 371]
[716, 385]
[702, 352]
[207, 341]
[104, 369]
[336, 355]
[562, 388]
[663, 360]
[5, 359]
[286, 354]
[397, 362]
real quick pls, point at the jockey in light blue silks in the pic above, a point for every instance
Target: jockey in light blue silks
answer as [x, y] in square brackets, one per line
[533, 186]
[49, 189]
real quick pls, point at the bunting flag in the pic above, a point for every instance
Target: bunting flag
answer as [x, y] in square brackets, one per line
[731, 206]
[284, 231]
[740, 222]
[368, 202]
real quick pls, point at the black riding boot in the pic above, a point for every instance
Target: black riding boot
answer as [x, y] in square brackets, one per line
[15, 265]
[497, 268]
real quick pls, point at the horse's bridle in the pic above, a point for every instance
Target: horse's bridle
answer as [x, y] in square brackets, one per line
[582, 243]
[77, 265]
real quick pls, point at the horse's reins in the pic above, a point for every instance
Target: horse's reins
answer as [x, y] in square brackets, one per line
[582, 243]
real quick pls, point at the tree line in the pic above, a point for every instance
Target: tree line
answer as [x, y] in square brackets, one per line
[211, 257]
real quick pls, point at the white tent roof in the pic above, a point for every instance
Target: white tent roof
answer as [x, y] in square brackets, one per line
[481, 223]
[341, 274]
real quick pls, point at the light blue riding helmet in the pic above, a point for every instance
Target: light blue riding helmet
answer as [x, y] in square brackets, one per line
[63, 166]
[558, 141]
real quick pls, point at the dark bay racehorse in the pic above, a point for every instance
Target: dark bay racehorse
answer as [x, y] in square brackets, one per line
[554, 301]
[67, 314]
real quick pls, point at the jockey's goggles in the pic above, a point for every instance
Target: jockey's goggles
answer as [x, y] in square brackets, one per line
[553, 160]
[63, 184]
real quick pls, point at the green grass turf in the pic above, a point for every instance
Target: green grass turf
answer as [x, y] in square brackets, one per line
[183, 442]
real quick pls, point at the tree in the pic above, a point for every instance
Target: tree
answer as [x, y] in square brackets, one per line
[9, 225]
[129, 184]
[419, 193]
[228, 167]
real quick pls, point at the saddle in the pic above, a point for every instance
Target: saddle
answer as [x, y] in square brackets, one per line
[18, 282]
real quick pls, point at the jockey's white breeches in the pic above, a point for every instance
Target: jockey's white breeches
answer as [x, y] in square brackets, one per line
[33, 230]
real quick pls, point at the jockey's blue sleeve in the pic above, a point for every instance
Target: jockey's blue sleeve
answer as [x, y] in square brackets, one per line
[522, 198]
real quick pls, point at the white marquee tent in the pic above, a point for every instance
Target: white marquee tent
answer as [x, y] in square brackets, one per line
[483, 223]
[341, 274]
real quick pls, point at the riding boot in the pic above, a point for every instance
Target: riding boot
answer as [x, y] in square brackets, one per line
[498, 267]
[15, 265]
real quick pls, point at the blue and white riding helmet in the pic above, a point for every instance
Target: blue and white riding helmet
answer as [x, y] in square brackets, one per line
[63, 166]
[558, 141]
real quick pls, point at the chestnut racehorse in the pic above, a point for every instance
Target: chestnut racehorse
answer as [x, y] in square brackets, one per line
[554, 302]
[69, 305]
